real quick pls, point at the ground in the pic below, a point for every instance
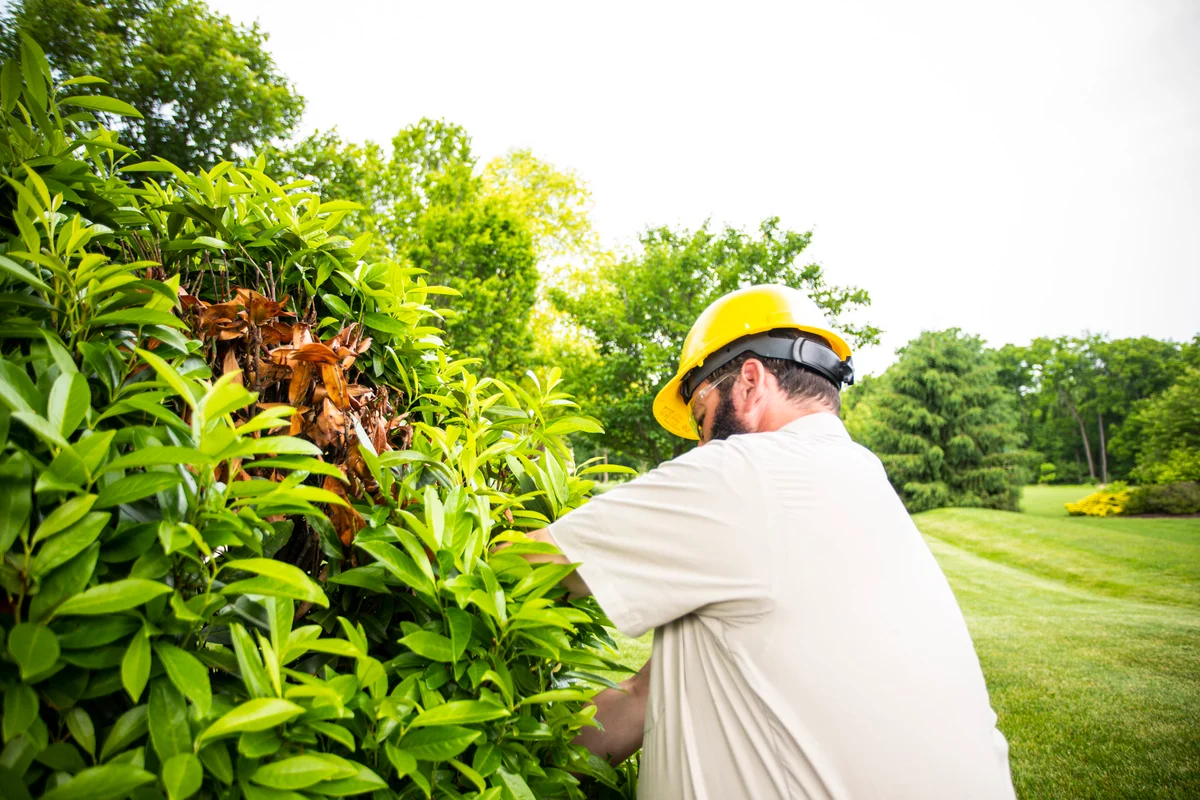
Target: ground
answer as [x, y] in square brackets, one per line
[1088, 631]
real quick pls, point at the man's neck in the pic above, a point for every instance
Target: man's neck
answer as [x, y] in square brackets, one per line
[782, 414]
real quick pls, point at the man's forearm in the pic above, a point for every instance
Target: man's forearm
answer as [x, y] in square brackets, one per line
[574, 583]
[622, 712]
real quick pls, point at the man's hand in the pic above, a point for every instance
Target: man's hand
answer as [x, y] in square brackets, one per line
[574, 583]
[622, 712]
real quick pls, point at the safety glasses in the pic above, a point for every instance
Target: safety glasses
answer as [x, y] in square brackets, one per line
[698, 398]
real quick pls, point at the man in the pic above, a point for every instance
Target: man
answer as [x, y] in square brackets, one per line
[806, 643]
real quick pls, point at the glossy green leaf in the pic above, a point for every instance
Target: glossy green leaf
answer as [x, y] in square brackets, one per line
[429, 645]
[187, 673]
[79, 723]
[281, 580]
[65, 546]
[68, 402]
[129, 727]
[182, 776]
[132, 488]
[459, 712]
[108, 782]
[252, 715]
[108, 598]
[439, 743]
[20, 707]
[364, 780]
[135, 666]
[34, 647]
[170, 732]
[297, 772]
[109, 105]
[64, 516]
[515, 784]
[169, 376]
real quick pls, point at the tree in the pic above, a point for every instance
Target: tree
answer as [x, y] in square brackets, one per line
[206, 88]
[1162, 433]
[637, 311]
[944, 426]
[1074, 395]
[482, 250]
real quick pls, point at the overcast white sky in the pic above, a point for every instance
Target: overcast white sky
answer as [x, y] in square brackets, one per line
[1015, 169]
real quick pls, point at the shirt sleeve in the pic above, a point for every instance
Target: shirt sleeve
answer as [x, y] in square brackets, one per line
[686, 537]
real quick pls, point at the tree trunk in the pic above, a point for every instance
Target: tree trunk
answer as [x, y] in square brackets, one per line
[1087, 447]
[1103, 450]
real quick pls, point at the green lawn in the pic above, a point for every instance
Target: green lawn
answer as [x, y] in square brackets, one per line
[1048, 501]
[1089, 635]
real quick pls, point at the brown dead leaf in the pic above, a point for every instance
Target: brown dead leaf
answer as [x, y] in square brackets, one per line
[335, 384]
[231, 366]
[300, 382]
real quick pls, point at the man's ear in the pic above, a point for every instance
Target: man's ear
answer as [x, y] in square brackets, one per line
[754, 377]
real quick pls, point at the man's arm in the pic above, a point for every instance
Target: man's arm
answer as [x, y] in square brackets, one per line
[574, 583]
[622, 712]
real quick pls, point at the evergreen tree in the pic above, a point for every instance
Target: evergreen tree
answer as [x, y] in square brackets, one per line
[944, 427]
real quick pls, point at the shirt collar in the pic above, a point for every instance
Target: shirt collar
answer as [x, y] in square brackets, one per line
[822, 423]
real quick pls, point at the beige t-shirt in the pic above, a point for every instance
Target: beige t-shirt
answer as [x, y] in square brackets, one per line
[806, 643]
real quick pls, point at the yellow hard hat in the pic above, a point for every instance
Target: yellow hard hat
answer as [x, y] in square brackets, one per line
[730, 327]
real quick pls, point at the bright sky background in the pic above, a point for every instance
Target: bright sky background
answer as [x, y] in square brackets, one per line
[1014, 169]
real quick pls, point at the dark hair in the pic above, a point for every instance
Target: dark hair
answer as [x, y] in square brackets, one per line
[800, 384]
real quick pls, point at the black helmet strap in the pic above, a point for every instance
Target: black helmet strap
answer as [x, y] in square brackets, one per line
[805, 352]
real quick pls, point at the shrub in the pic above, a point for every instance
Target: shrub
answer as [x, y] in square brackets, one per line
[1047, 473]
[1172, 498]
[248, 534]
[1105, 503]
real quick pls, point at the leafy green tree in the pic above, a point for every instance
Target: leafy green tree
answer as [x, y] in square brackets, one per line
[206, 87]
[944, 426]
[345, 170]
[1162, 433]
[1074, 394]
[638, 310]
[482, 250]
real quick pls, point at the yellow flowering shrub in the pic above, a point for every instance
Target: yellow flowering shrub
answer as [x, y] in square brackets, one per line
[1104, 503]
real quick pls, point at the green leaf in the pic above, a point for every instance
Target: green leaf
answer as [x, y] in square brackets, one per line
[109, 782]
[187, 673]
[565, 425]
[42, 427]
[470, 774]
[557, 696]
[135, 666]
[22, 274]
[403, 761]
[20, 708]
[16, 499]
[129, 727]
[253, 715]
[132, 488]
[395, 562]
[384, 323]
[182, 776]
[34, 647]
[305, 463]
[68, 403]
[17, 390]
[64, 516]
[108, 598]
[438, 744]
[515, 784]
[460, 631]
[93, 102]
[297, 772]
[139, 316]
[81, 728]
[158, 456]
[429, 645]
[65, 546]
[459, 712]
[277, 579]
[169, 730]
[62, 757]
[217, 761]
[169, 376]
[364, 780]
